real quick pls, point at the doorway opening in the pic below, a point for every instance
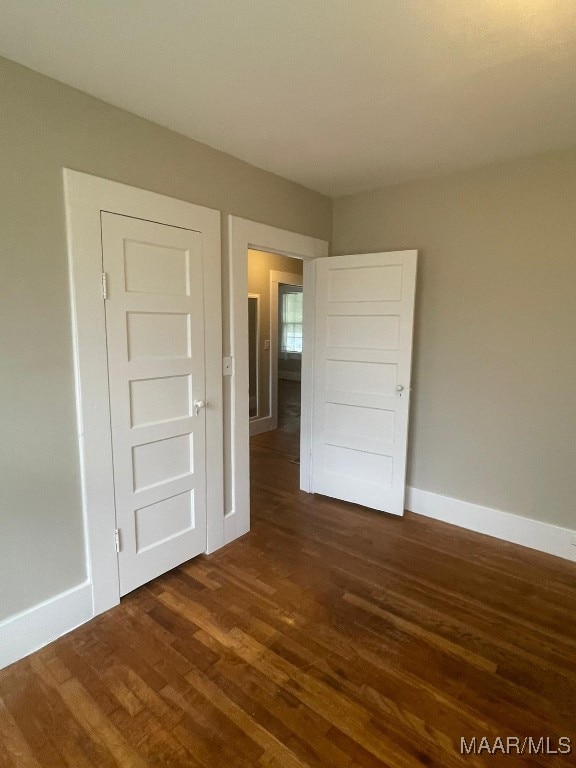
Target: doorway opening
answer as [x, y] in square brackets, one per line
[275, 343]
[245, 235]
[358, 320]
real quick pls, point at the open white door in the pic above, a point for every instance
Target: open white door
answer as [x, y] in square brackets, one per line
[364, 307]
[156, 364]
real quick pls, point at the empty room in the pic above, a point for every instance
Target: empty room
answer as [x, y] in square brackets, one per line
[287, 383]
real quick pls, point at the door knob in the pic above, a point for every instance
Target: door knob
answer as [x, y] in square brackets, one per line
[199, 404]
[399, 388]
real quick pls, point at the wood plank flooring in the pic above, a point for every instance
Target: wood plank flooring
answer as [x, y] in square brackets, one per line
[329, 636]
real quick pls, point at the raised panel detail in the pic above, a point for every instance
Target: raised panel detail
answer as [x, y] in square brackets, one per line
[156, 367]
[158, 335]
[161, 461]
[154, 401]
[151, 268]
[366, 284]
[358, 466]
[359, 422]
[157, 523]
[364, 331]
[364, 378]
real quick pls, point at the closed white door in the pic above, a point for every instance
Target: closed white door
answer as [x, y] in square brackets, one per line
[364, 307]
[155, 337]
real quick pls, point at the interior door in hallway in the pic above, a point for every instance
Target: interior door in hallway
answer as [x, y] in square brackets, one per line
[156, 367]
[364, 308]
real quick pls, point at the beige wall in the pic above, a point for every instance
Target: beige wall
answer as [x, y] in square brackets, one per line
[44, 126]
[494, 416]
[494, 408]
[260, 265]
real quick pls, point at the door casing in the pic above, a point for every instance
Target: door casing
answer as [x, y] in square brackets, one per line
[242, 236]
[85, 197]
[270, 420]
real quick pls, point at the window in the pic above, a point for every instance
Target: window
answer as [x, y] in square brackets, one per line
[291, 319]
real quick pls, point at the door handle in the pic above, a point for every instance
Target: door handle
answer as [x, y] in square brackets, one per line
[199, 404]
[399, 388]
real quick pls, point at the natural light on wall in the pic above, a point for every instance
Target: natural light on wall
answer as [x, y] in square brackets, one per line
[490, 31]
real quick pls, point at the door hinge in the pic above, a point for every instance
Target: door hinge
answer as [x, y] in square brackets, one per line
[117, 539]
[104, 285]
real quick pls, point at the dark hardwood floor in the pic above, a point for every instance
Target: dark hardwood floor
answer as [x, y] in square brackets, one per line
[285, 439]
[328, 636]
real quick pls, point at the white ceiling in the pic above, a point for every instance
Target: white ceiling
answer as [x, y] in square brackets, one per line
[339, 95]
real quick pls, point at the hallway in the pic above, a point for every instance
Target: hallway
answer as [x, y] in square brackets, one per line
[286, 438]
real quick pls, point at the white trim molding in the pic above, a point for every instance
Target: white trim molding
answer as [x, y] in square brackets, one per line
[276, 279]
[242, 236]
[85, 198]
[263, 424]
[307, 374]
[34, 628]
[545, 537]
[270, 420]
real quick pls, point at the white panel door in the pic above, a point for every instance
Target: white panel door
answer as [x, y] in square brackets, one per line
[155, 337]
[364, 309]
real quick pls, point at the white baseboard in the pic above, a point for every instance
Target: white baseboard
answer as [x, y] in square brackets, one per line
[544, 537]
[265, 424]
[234, 527]
[290, 375]
[31, 630]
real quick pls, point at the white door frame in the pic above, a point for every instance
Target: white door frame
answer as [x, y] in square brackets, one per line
[85, 197]
[243, 235]
[277, 279]
[270, 420]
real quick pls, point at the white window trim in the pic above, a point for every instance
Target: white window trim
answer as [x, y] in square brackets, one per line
[288, 355]
[85, 197]
[270, 420]
[242, 236]
[277, 279]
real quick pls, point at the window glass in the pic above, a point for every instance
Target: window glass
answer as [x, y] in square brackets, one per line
[291, 320]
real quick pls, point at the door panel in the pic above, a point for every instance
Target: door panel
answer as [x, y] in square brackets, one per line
[363, 348]
[155, 336]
